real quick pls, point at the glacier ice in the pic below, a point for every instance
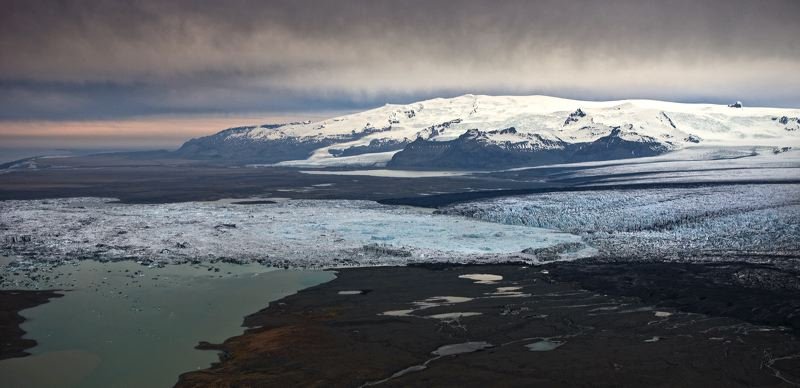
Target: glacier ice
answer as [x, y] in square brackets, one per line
[725, 222]
[303, 233]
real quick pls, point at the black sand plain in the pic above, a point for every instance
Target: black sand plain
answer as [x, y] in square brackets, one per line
[633, 325]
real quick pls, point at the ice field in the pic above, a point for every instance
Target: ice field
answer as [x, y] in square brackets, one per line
[661, 223]
[289, 233]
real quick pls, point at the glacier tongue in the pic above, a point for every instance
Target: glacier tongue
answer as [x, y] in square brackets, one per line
[737, 222]
[290, 233]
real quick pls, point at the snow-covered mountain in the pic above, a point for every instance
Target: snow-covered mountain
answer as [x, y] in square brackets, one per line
[476, 132]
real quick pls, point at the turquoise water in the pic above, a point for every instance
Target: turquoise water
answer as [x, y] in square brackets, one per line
[124, 325]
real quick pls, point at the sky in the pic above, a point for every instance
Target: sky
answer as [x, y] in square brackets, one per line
[152, 73]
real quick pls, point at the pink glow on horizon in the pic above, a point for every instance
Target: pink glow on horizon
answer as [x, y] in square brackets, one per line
[146, 132]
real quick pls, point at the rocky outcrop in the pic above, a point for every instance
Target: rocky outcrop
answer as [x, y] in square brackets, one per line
[472, 150]
[574, 116]
[242, 149]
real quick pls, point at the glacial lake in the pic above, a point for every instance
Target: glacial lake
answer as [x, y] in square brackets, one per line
[122, 324]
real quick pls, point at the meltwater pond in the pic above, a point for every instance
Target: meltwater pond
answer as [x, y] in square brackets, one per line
[125, 325]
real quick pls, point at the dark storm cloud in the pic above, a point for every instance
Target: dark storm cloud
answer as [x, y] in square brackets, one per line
[73, 59]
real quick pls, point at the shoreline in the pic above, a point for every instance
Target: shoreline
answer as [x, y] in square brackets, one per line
[12, 302]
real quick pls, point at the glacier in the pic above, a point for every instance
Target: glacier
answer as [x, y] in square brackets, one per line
[735, 222]
[690, 165]
[728, 222]
[289, 233]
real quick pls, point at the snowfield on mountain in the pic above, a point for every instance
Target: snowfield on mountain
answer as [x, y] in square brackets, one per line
[473, 132]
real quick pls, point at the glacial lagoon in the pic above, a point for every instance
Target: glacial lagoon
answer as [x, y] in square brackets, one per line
[123, 324]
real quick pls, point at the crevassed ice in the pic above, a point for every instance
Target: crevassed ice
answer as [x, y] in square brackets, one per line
[662, 222]
[300, 233]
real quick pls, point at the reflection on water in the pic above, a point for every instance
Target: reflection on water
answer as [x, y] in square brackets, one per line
[466, 347]
[482, 278]
[442, 351]
[544, 345]
[351, 292]
[456, 315]
[124, 325]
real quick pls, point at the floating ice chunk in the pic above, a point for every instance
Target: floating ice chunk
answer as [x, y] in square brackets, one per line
[662, 314]
[654, 339]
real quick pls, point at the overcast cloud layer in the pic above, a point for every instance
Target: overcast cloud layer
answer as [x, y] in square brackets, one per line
[114, 59]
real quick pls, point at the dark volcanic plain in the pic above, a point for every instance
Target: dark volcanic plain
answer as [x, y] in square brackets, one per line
[138, 180]
[625, 324]
[144, 177]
